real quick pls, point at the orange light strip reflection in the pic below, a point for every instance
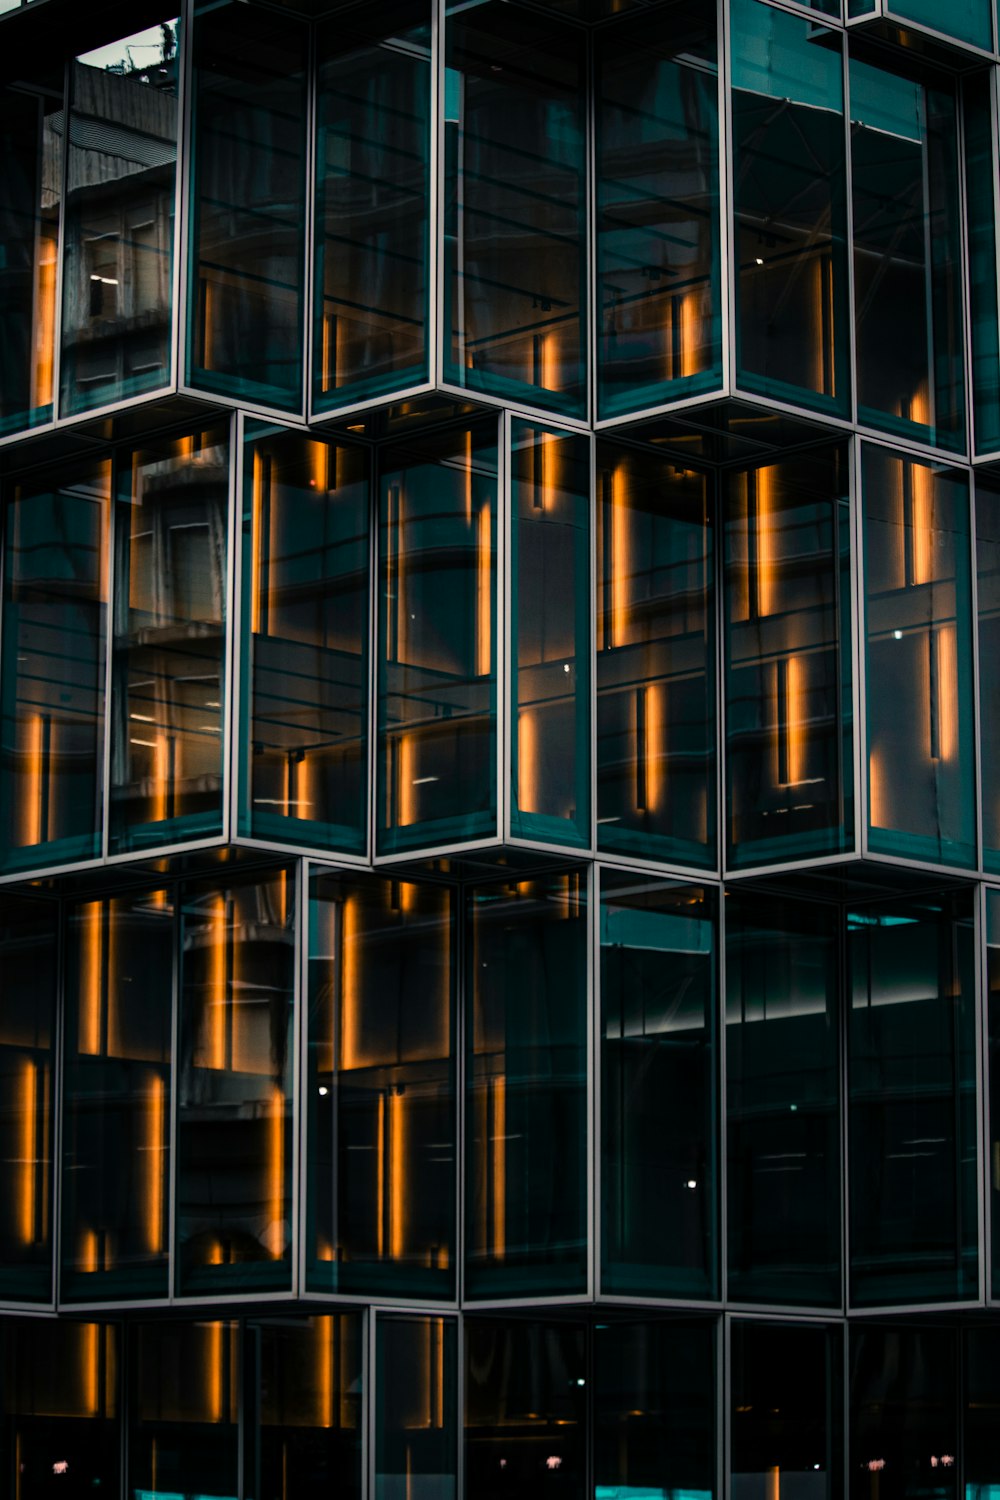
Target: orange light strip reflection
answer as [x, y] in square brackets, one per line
[765, 542]
[91, 979]
[549, 361]
[499, 1133]
[217, 997]
[33, 832]
[45, 317]
[655, 695]
[380, 1178]
[947, 688]
[324, 1370]
[877, 810]
[213, 1370]
[484, 591]
[276, 1176]
[256, 549]
[796, 702]
[155, 1176]
[91, 1357]
[621, 560]
[405, 768]
[29, 1151]
[527, 760]
[922, 489]
[690, 328]
[397, 1175]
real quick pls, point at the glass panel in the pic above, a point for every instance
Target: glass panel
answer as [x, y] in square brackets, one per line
[918, 617]
[656, 768]
[789, 703]
[31, 149]
[234, 1129]
[658, 208]
[993, 1115]
[27, 1019]
[60, 1432]
[248, 204]
[659, 989]
[783, 1100]
[515, 205]
[305, 643]
[168, 654]
[416, 1438]
[525, 1409]
[786, 1410]
[183, 1411]
[116, 1082]
[551, 645]
[654, 1417]
[988, 604]
[912, 1115]
[966, 20]
[984, 276]
[526, 1101]
[381, 1088]
[790, 189]
[306, 1417]
[373, 186]
[55, 592]
[981, 1402]
[120, 206]
[904, 1419]
[907, 254]
[437, 776]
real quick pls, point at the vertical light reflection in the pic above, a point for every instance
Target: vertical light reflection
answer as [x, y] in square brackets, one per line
[766, 549]
[91, 979]
[158, 811]
[274, 1235]
[772, 1483]
[922, 491]
[528, 768]
[257, 541]
[655, 756]
[795, 724]
[690, 329]
[549, 467]
[155, 1176]
[324, 1369]
[397, 1174]
[468, 478]
[90, 1384]
[32, 815]
[947, 692]
[45, 317]
[484, 590]
[213, 1370]
[499, 1135]
[406, 796]
[877, 811]
[89, 1256]
[349, 992]
[621, 561]
[216, 1018]
[548, 360]
[380, 1177]
[29, 1151]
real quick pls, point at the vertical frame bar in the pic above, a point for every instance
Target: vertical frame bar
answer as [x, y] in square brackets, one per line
[299, 1007]
[506, 624]
[437, 300]
[177, 890]
[727, 203]
[981, 1000]
[235, 688]
[111, 573]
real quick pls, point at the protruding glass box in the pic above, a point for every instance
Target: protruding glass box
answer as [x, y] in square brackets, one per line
[968, 22]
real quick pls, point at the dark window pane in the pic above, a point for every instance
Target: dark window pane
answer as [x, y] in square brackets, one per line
[786, 1410]
[658, 1092]
[184, 1409]
[981, 1406]
[984, 285]
[904, 1419]
[416, 1439]
[993, 1117]
[988, 603]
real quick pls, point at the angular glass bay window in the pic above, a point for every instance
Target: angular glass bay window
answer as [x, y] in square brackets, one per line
[656, 759]
[967, 21]
[918, 660]
[52, 666]
[169, 636]
[658, 246]
[28, 963]
[117, 288]
[247, 251]
[659, 1168]
[515, 205]
[790, 203]
[913, 1154]
[789, 704]
[235, 1102]
[304, 642]
[526, 1133]
[907, 252]
[372, 249]
[381, 1088]
[416, 1408]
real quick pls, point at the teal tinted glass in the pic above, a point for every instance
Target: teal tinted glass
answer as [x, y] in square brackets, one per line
[658, 226]
[381, 1088]
[117, 285]
[966, 20]
[783, 1100]
[437, 631]
[787, 1410]
[904, 1413]
[55, 593]
[372, 187]
[993, 1118]
[183, 1409]
[981, 233]
[913, 1159]
[515, 205]
[31, 153]
[168, 655]
[988, 604]
[790, 187]
[304, 639]
[245, 335]
[659, 994]
[526, 1089]
[907, 254]
[918, 654]
[116, 1098]
[28, 934]
[655, 637]
[789, 672]
[416, 1401]
[551, 636]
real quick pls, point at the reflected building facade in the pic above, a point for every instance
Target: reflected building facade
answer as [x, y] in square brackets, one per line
[500, 749]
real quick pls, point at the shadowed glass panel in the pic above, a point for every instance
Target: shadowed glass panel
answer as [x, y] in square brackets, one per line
[904, 1414]
[993, 1115]
[984, 273]
[183, 1411]
[988, 604]
[60, 1410]
[416, 1399]
[786, 1411]
[965, 20]
[981, 1404]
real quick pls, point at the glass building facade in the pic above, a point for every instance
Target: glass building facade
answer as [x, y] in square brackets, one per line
[500, 750]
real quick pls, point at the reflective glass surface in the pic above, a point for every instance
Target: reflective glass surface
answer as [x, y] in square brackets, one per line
[984, 274]
[55, 593]
[373, 183]
[234, 1086]
[59, 1409]
[655, 658]
[993, 1103]
[27, 1024]
[791, 208]
[907, 253]
[437, 632]
[526, 1088]
[988, 605]
[658, 229]
[786, 1410]
[248, 204]
[918, 622]
[168, 641]
[965, 20]
[31, 182]
[904, 1416]
[184, 1381]
[658, 1088]
[304, 639]
[416, 1422]
[789, 707]
[912, 1137]
[381, 1088]
[119, 224]
[551, 636]
[515, 205]
[117, 1092]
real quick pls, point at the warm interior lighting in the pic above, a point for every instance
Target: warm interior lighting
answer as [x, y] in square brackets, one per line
[380, 1177]
[484, 591]
[215, 1052]
[324, 1369]
[765, 536]
[528, 767]
[156, 1116]
[90, 1384]
[406, 799]
[548, 361]
[319, 467]
[91, 978]
[397, 1174]
[45, 316]
[89, 1258]
[877, 810]
[690, 333]
[772, 1483]
[652, 751]
[28, 1111]
[468, 478]
[158, 811]
[499, 1136]
[274, 1236]
[945, 709]
[922, 500]
[33, 814]
[213, 1370]
[621, 560]
[350, 1007]
[550, 463]
[795, 712]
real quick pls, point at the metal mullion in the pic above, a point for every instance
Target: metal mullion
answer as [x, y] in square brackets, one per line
[977, 748]
[845, 1000]
[725, 1397]
[367, 1402]
[852, 331]
[177, 948]
[111, 574]
[371, 1399]
[985, 1235]
[720, 1114]
[374, 659]
[991, 1291]
[58, 1112]
[592, 1213]
[861, 694]
[594, 1073]
[506, 655]
[308, 324]
[460, 1408]
[234, 686]
[965, 265]
[180, 327]
[727, 202]
[437, 301]
[300, 1005]
[57, 331]
[536, 416]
